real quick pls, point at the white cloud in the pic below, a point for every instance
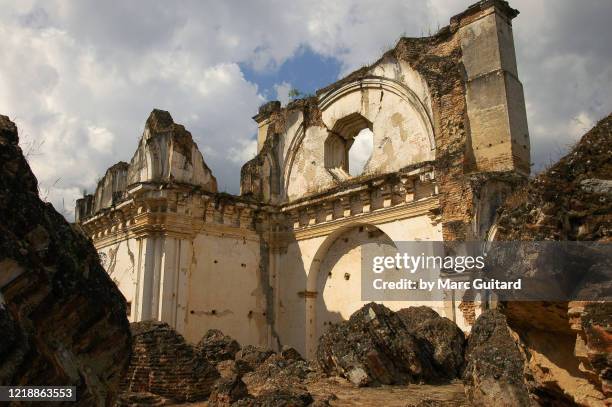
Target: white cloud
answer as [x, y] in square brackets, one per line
[246, 152]
[82, 76]
[361, 151]
[282, 92]
[100, 139]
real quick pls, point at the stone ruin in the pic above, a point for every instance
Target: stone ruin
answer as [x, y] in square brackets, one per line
[523, 353]
[275, 265]
[379, 347]
[161, 224]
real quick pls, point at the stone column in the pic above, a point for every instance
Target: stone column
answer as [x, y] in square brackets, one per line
[144, 283]
[175, 260]
[157, 270]
[168, 281]
[494, 94]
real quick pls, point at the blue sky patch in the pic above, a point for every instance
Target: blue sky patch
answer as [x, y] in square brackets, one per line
[306, 71]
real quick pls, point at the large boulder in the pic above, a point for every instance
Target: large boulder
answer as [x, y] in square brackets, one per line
[375, 347]
[62, 319]
[443, 338]
[163, 363]
[495, 367]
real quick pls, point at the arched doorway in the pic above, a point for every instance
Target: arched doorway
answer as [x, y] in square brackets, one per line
[335, 277]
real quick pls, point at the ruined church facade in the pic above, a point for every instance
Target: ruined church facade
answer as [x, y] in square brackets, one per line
[276, 264]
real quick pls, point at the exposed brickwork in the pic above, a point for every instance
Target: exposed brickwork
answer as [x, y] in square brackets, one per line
[164, 364]
[468, 309]
[438, 60]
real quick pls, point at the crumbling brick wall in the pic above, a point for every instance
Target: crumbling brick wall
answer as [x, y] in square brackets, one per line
[164, 364]
[439, 60]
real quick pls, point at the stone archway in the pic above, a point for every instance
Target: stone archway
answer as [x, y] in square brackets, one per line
[334, 280]
[402, 135]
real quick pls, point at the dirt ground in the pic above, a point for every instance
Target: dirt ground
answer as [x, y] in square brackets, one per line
[447, 395]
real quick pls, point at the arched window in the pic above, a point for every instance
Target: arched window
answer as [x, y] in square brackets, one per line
[349, 146]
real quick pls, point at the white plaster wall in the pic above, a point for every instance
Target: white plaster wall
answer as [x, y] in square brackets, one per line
[293, 122]
[120, 263]
[400, 136]
[294, 264]
[402, 72]
[307, 173]
[225, 276]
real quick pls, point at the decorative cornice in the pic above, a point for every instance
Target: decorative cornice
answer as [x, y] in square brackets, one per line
[184, 228]
[383, 215]
[183, 214]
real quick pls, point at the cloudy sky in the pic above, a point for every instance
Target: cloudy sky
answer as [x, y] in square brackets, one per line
[80, 77]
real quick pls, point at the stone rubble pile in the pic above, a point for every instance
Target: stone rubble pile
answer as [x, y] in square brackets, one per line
[217, 347]
[166, 369]
[379, 347]
[376, 346]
